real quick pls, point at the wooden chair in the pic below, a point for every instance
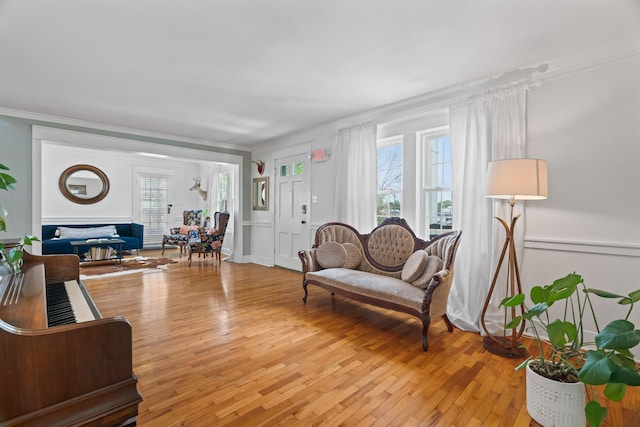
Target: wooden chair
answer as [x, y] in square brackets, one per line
[210, 241]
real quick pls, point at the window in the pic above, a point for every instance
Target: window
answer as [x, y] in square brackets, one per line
[389, 178]
[436, 185]
[223, 191]
[296, 168]
[153, 203]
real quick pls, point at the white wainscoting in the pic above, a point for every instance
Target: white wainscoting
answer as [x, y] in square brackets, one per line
[601, 248]
[261, 242]
[611, 266]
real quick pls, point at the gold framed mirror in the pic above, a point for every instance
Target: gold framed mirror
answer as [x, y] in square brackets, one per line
[260, 194]
[84, 184]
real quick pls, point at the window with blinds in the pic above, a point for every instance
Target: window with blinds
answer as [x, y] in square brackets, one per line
[153, 201]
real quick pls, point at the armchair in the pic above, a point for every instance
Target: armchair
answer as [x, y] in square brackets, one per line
[191, 220]
[210, 241]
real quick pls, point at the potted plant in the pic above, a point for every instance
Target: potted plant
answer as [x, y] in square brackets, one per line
[563, 354]
[13, 257]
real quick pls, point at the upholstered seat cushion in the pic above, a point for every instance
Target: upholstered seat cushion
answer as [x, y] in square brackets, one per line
[174, 239]
[373, 285]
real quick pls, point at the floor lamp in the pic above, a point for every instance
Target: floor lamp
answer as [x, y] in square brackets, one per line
[511, 179]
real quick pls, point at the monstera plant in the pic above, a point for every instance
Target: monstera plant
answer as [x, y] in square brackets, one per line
[563, 353]
[13, 256]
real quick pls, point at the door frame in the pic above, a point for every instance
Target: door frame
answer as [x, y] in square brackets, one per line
[40, 134]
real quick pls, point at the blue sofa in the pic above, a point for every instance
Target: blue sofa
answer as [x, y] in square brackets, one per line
[132, 234]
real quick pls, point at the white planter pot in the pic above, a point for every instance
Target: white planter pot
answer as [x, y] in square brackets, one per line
[552, 403]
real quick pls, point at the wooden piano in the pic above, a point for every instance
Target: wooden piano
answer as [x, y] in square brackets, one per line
[72, 374]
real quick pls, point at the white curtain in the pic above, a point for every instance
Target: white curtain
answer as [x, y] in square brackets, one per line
[485, 127]
[356, 187]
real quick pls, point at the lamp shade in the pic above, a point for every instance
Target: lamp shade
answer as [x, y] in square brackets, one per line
[517, 179]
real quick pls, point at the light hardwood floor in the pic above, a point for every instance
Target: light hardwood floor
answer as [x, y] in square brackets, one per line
[233, 344]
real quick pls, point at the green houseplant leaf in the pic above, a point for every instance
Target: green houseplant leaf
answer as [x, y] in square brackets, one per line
[619, 334]
[615, 391]
[15, 254]
[623, 375]
[597, 369]
[561, 333]
[595, 413]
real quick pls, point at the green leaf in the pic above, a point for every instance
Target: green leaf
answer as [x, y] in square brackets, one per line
[603, 294]
[597, 369]
[615, 391]
[523, 364]
[513, 301]
[513, 323]
[561, 333]
[595, 413]
[619, 334]
[623, 357]
[28, 239]
[6, 181]
[538, 295]
[634, 296]
[570, 281]
[14, 255]
[538, 309]
[560, 295]
[626, 376]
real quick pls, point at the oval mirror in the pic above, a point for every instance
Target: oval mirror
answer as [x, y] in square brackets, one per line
[84, 184]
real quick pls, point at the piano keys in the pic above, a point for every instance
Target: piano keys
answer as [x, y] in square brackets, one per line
[78, 373]
[69, 302]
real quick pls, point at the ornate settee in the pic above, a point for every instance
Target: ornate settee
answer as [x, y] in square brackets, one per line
[389, 268]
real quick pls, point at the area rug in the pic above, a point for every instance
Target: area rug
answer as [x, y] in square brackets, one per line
[128, 265]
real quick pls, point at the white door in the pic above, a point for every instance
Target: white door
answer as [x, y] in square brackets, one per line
[292, 210]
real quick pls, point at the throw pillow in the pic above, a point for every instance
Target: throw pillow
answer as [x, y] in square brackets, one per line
[354, 256]
[87, 232]
[185, 229]
[331, 255]
[414, 266]
[434, 264]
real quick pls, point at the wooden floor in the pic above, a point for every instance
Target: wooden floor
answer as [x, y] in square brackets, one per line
[233, 344]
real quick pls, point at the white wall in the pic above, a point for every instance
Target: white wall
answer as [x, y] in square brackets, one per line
[587, 126]
[118, 205]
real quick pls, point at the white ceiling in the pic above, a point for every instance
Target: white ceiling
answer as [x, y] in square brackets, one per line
[242, 71]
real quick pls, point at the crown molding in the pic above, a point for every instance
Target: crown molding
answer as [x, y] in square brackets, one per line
[112, 128]
[593, 58]
[442, 98]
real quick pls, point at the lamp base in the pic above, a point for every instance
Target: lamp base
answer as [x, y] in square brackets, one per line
[502, 347]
